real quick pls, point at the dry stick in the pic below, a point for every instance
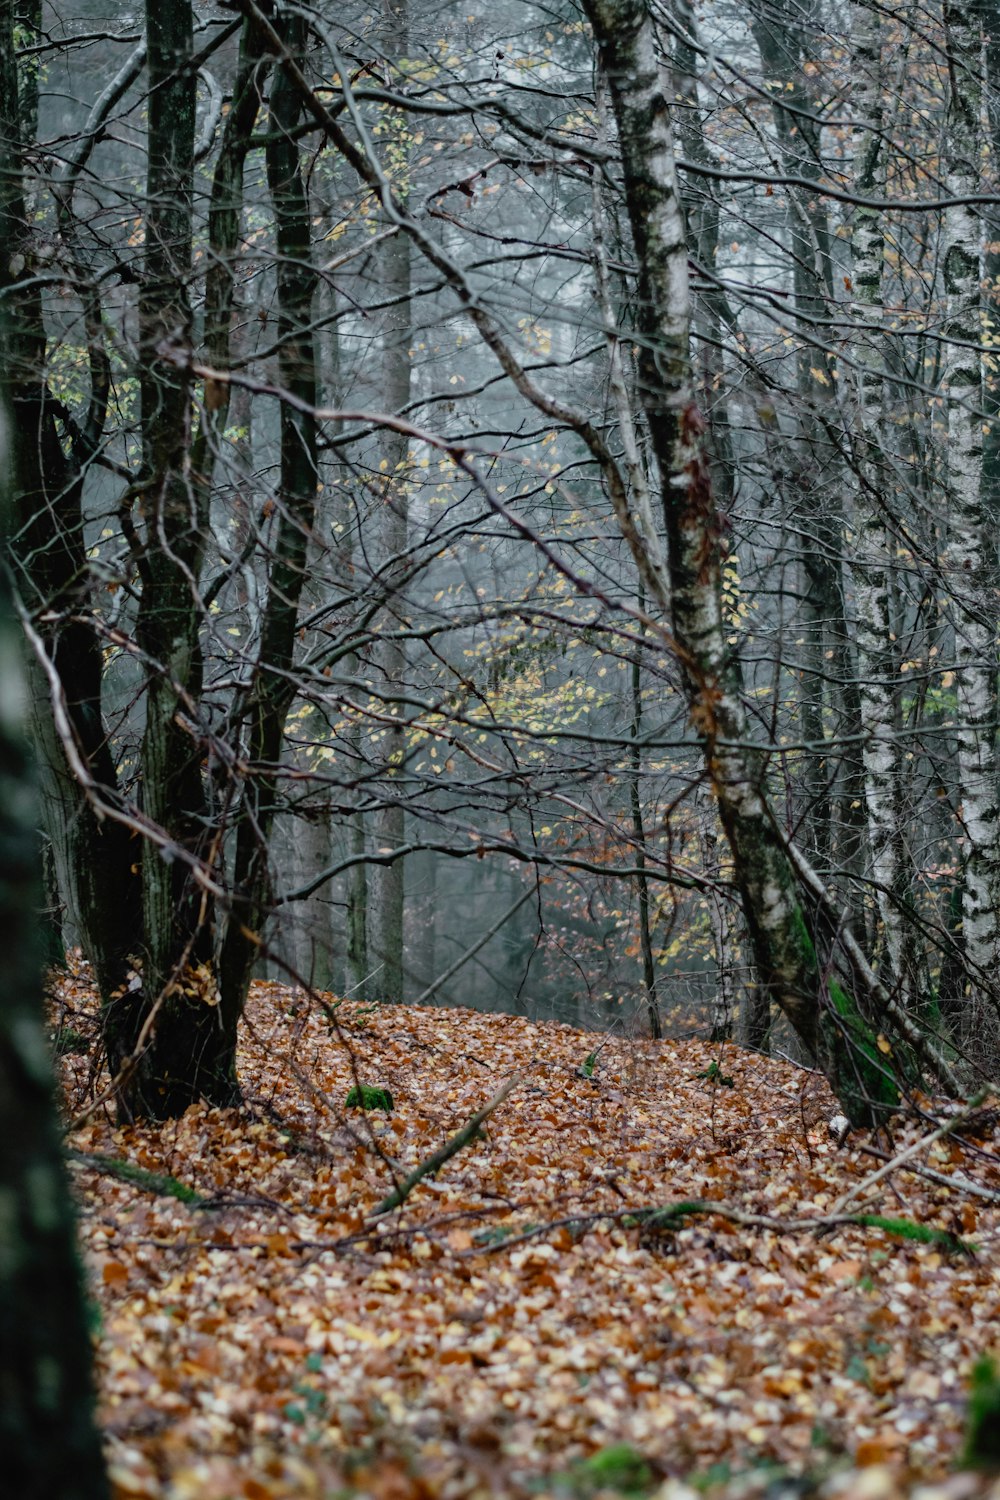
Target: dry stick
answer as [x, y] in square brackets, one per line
[450, 1148]
[955, 1181]
[909, 1153]
[672, 1216]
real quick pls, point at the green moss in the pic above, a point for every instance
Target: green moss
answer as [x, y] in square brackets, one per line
[662, 1218]
[618, 1467]
[159, 1183]
[714, 1074]
[859, 1077]
[982, 1432]
[804, 937]
[367, 1097]
[923, 1234]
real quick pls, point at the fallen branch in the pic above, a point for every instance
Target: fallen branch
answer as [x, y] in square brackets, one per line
[163, 1185]
[901, 1160]
[953, 1180]
[450, 1148]
[672, 1216]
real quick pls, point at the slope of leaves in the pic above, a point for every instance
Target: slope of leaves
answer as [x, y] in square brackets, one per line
[269, 1338]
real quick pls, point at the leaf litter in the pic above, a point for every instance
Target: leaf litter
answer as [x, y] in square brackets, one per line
[522, 1326]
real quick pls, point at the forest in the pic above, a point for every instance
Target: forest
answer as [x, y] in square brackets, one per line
[499, 772]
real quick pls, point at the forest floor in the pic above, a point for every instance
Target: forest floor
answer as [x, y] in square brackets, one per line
[268, 1338]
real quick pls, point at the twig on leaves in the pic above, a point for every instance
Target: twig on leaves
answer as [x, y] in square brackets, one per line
[911, 1151]
[672, 1215]
[450, 1148]
[954, 1180]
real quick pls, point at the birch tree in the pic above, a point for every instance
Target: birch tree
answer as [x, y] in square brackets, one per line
[783, 933]
[874, 548]
[969, 559]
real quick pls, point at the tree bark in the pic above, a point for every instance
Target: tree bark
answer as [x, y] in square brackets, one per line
[784, 937]
[48, 457]
[49, 1445]
[273, 688]
[390, 830]
[161, 1028]
[878, 654]
[968, 555]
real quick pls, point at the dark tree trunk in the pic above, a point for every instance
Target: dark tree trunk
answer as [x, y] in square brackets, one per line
[162, 1028]
[272, 691]
[49, 1447]
[46, 458]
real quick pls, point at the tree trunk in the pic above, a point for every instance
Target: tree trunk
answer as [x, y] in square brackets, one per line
[273, 690]
[395, 288]
[968, 555]
[94, 854]
[720, 924]
[161, 1028]
[49, 1445]
[781, 928]
[878, 655]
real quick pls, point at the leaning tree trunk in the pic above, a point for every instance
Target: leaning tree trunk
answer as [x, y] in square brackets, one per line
[48, 1442]
[781, 928]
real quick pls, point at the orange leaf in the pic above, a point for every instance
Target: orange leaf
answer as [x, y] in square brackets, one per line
[877, 1450]
[844, 1270]
[279, 1344]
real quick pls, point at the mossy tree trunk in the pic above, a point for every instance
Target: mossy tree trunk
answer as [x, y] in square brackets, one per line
[781, 929]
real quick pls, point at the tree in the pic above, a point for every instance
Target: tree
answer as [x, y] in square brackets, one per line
[970, 558]
[786, 936]
[172, 995]
[49, 1445]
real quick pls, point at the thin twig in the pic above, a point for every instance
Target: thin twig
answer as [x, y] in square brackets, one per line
[910, 1152]
[444, 1153]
